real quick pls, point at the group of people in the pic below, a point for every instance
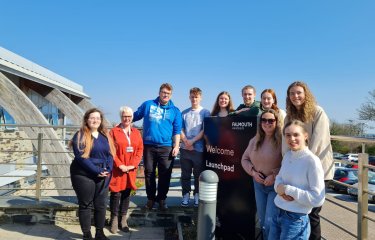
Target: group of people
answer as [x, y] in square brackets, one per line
[289, 159]
[288, 172]
[105, 161]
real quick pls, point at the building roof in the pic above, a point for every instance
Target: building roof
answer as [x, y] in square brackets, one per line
[20, 173]
[19, 66]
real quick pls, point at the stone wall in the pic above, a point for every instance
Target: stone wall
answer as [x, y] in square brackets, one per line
[14, 140]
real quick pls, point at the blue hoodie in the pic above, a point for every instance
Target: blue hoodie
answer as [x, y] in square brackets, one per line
[160, 122]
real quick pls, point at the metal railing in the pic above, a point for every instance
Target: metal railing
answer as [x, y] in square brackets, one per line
[37, 150]
[363, 169]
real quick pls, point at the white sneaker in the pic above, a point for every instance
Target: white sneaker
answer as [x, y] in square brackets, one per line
[196, 200]
[185, 200]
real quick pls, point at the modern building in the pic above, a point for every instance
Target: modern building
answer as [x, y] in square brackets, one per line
[33, 95]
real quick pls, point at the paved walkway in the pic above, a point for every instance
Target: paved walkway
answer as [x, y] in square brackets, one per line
[337, 223]
[67, 232]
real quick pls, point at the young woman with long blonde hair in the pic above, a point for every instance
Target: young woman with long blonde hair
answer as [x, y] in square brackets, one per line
[90, 171]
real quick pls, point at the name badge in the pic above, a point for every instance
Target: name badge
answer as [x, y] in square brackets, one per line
[129, 149]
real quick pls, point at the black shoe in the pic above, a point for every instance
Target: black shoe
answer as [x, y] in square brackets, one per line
[163, 205]
[87, 236]
[99, 235]
[125, 229]
[150, 204]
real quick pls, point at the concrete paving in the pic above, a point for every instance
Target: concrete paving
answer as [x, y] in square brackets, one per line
[337, 223]
[48, 231]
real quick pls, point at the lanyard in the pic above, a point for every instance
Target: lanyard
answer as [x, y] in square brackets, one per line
[127, 136]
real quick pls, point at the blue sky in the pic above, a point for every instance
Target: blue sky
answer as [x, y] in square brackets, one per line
[121, 51]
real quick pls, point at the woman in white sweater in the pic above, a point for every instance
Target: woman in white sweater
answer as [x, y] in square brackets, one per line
[301, 105]
[299, 186]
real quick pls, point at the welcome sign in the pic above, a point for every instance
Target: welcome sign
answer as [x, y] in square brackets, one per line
[226, 140]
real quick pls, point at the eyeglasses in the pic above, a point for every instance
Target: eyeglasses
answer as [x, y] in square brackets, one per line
[94, 118]
[166, 93]
[126, 116]
[268, 120]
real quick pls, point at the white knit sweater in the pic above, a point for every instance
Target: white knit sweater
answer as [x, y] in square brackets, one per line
[319, 141]
[302, 174]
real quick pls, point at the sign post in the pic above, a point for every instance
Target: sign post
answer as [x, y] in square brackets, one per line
[226, 140]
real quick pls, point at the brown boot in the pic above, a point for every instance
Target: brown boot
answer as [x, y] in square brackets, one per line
[124, 223]
[114, 224]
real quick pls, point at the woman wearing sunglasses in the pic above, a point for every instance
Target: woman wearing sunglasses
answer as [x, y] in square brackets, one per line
[262, 161]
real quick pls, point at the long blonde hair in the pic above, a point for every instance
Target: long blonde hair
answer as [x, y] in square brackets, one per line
[307, 112]
[261, 135]
[85, 140]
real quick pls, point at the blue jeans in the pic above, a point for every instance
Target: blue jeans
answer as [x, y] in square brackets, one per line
[290, 225]
[266, 208]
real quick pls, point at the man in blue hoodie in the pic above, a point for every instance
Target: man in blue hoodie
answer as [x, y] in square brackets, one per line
[161, 137]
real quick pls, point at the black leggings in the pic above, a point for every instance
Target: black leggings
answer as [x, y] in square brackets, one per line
[91, 194]
[119, 202]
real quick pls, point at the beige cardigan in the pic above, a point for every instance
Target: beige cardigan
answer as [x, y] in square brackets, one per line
[319, 141]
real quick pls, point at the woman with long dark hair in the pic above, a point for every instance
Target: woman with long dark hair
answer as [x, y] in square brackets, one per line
[223, 105]
[262, 161]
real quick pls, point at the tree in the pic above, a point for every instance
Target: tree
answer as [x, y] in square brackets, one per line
[367, 109]
[351, 128]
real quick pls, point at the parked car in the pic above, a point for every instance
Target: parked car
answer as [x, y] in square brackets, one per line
[371, 161]
[354, 164]
[350, 157]
[338, 156]
[371, 187]
[340, 165]
[344, 175]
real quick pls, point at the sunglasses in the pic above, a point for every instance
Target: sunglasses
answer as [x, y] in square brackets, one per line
[268, 120]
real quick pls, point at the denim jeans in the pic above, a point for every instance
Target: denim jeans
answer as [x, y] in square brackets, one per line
[266, 208]
[289, 225]
[191, 161]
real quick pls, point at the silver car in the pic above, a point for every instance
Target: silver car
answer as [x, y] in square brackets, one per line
[371, 187]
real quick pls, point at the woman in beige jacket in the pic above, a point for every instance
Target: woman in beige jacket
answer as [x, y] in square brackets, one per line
[301, 105]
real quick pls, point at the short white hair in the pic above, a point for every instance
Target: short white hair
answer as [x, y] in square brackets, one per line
[127, 110]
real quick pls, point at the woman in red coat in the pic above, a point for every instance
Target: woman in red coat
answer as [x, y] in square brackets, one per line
[129, 150]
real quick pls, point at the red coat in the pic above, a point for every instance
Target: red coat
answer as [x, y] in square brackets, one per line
[121, 180]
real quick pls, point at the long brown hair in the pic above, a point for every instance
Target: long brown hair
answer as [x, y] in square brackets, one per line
[84, 138]
[216, 108]
[307, 112]
[261, 135]
[273, 94]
